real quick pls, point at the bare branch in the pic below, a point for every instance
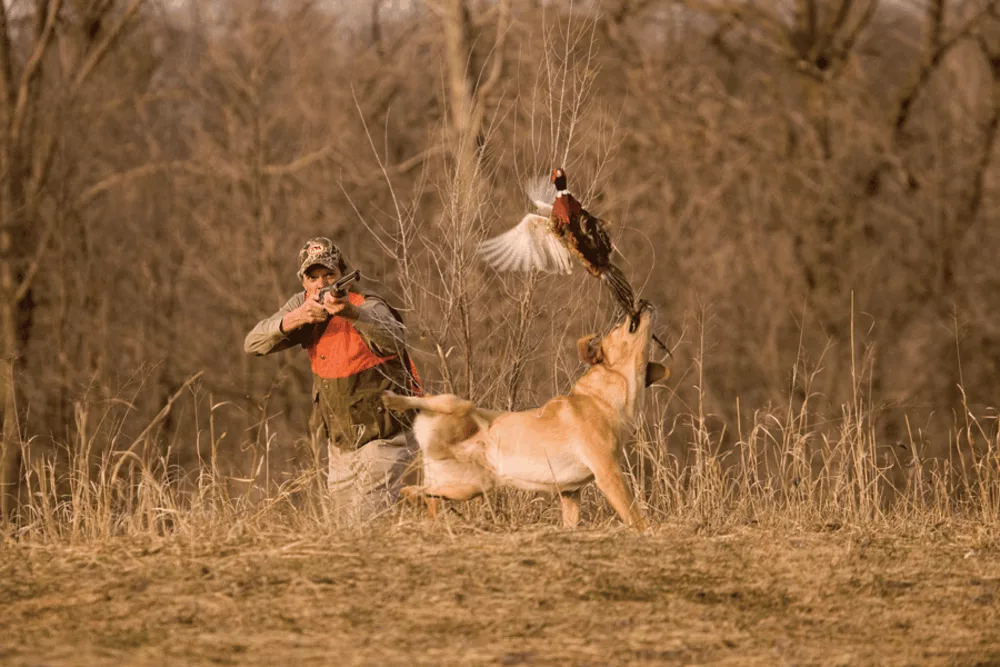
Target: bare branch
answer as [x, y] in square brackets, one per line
[975, 199]
[43, 156]
[418, 159]
[613, 24]
[437, 8]
[156, 420]
[6, 63]
[298, 164]
[840, 19]
[29, 275]
[744, 11]
[119, 178]
[847, 46]
[809, 21]
[95, 56]
[929, 66]
[31, 69]
[497, 52]
[936, 14]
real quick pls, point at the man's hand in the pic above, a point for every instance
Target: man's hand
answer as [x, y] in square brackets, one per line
[312, 311]
[339, 306]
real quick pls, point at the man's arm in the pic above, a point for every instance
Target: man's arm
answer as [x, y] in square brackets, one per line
[382, 332]
[276, 332]
[373, 319]
[379, 327]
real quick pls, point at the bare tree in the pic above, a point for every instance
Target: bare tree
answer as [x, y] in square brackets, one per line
[37, 89]
[471, 81]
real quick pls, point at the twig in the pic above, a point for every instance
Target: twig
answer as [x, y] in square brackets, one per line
[161, 415]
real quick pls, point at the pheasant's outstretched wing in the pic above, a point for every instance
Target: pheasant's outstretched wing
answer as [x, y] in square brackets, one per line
[529, 246]
[542, 193]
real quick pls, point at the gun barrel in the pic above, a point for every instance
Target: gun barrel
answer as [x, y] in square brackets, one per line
[349, 278]
[339, 288]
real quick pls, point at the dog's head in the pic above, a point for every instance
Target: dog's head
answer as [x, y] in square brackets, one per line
[625, 350]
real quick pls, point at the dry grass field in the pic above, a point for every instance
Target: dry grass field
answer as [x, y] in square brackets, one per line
[807, 192]
[408, 591]
[754, 557]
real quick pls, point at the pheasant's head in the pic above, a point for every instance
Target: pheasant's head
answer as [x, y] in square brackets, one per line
[559, 179]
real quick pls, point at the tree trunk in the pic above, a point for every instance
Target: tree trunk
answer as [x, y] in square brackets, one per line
[464, 125]
[10, 446]
[468, 91]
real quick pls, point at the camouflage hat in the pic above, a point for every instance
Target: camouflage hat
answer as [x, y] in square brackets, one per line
[320, 251]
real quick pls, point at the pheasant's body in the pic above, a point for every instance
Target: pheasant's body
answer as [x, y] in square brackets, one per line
[582, 233]
[547, 244]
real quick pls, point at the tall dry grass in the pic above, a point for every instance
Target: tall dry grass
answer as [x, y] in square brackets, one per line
[789, 468]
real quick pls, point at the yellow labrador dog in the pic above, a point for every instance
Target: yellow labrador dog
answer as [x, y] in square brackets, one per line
[556, 448]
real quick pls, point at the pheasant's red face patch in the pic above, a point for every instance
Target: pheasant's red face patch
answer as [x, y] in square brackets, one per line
[556, 173]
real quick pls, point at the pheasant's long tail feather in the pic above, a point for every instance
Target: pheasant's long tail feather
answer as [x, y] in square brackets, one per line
[620, 288]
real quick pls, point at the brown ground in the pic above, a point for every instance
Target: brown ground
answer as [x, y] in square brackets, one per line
[433, 595]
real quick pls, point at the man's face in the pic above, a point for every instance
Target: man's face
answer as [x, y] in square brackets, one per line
[317, 277]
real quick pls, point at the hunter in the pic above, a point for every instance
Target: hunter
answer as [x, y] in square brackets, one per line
[356, 346]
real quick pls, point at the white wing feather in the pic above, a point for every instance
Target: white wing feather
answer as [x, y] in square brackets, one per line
[542, 193]
[529, 246]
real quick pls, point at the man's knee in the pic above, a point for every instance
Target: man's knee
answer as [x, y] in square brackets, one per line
[379, 464]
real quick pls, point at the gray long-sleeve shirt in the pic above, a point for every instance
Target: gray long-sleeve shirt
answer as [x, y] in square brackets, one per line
[381, 331]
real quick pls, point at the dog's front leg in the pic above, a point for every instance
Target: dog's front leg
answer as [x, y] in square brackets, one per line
[432, 506]
[612, 484]
[569, 501]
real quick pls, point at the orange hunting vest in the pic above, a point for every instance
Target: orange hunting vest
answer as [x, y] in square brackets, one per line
[341, 352]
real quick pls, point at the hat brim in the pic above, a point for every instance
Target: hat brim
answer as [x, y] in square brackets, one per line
[308, 265]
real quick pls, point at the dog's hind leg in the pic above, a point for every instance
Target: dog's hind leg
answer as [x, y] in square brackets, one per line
[569, 501]
[453, 490]
[414, 494]
[432, 495]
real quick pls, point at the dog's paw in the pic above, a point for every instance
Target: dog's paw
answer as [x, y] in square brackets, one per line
[411, 494]
[640, 525]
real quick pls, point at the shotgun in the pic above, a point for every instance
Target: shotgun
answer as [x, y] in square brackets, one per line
[339, 288]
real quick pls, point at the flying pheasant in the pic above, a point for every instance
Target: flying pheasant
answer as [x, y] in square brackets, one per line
[540, 243]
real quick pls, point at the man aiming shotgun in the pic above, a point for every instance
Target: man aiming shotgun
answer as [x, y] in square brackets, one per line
[356, 346]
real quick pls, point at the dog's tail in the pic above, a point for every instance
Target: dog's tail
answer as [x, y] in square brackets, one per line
[399, 403]
[445, 404]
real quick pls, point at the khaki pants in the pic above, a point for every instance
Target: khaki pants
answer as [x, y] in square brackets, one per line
[365, 482]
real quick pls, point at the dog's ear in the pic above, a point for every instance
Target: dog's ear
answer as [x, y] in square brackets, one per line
[589, 349]
[655, 373]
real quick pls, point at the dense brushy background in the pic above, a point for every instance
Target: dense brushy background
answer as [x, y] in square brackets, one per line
[806, 191]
